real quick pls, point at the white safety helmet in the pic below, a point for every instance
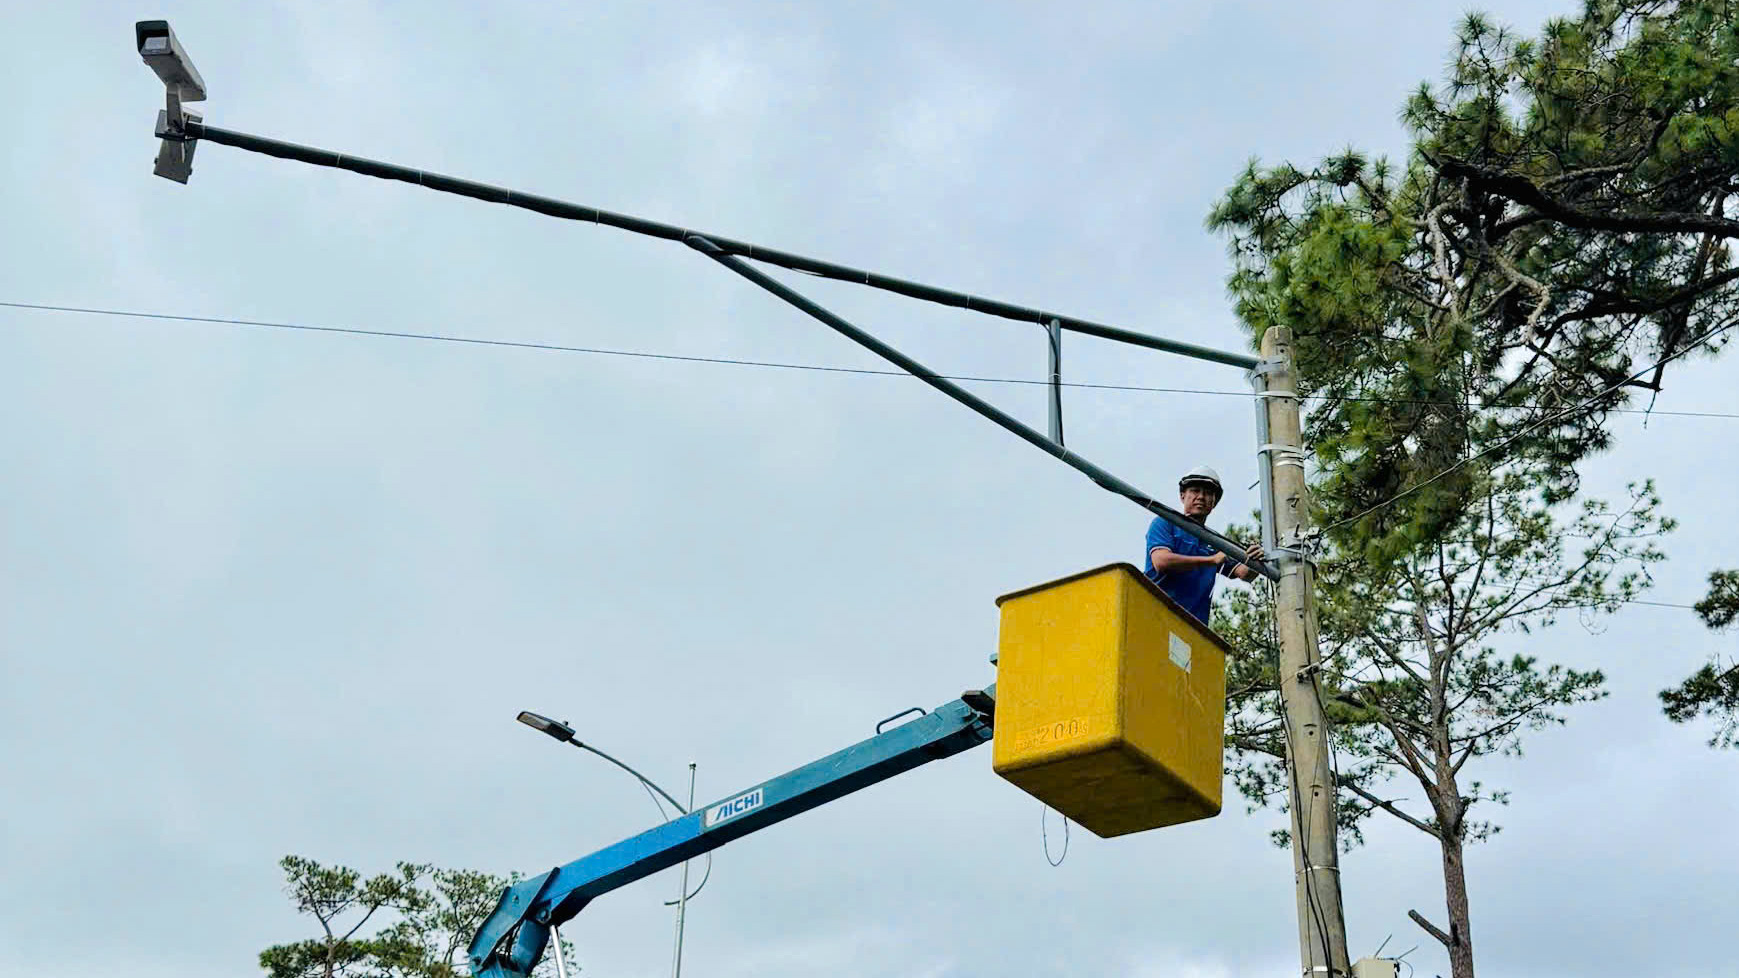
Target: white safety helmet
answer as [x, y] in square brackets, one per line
[1202, 475]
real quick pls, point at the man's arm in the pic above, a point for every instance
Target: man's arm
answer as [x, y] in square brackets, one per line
[1165, 560]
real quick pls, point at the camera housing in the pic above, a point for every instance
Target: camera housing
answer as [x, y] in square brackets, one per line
[163, 53]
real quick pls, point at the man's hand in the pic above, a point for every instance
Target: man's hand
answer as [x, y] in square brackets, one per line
[1245, 572]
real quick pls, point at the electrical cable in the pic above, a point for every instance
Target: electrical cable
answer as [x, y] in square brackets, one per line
[1333, 763]
[702, 885]
[740, 362]
[1301, 814]
[699, 887]
[638, 354]
[1044, 836]
[651, 786]
[1402, 959]
[662, 814]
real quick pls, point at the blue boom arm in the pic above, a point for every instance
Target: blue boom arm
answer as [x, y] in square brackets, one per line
[512, 939]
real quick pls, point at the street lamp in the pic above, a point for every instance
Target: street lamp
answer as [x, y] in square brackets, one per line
[562, 733]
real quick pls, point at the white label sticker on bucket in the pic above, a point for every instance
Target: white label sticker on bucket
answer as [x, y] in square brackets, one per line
[1180, 652]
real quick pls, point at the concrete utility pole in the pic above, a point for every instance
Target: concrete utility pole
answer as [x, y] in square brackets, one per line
[1316, 859]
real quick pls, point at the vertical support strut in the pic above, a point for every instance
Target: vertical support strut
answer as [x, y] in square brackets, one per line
[1054, 329]
[555, 933]
[682, 895]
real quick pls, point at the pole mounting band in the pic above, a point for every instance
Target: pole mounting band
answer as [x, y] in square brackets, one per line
[1283, 454]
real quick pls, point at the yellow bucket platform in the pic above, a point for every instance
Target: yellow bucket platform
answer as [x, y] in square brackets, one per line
[1110, 702]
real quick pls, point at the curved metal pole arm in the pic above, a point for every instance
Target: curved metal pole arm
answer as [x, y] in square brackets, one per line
[643, 779]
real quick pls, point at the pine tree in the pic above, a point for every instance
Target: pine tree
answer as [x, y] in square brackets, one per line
[1557, 238]
[1713, 690]
[1427, 664]
[414, 922]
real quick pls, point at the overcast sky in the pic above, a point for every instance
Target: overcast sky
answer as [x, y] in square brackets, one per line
[268, 592]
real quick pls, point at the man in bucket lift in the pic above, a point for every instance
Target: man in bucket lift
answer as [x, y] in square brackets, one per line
[1183, 566]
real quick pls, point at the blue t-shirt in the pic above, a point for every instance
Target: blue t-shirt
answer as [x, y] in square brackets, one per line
[1193, 588]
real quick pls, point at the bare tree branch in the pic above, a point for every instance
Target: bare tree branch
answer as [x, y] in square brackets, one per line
[1524, 191]
[1429, 928]
[1388, 806]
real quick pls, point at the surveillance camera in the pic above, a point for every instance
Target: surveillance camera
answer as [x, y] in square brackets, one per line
[162, 52]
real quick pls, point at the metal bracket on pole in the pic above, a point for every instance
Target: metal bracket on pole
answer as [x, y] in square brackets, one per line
[174, 148]
[1293, 552]
[1283, 454]
[1289, 553]
[1054, 329]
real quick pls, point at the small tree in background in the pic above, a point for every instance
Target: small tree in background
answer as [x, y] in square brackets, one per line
[1713, 690]
[344, 905]
[1413, 677]
[415, 922]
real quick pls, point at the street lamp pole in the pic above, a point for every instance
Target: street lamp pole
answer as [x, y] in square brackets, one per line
[682, 897]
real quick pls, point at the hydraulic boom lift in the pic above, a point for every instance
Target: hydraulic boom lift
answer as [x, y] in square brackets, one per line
[513, 938]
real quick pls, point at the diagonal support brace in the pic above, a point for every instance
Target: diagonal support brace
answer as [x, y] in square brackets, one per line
[1231, 549]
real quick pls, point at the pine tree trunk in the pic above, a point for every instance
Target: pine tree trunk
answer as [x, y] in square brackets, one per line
[1460, 944]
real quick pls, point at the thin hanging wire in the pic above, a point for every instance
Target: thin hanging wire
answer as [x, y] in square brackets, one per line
[1045, 837]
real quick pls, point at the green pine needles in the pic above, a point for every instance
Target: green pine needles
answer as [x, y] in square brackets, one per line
[1558, 237]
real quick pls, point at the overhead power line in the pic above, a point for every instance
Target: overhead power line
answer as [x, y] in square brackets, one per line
[743, 362]
[642, 354]
[566, 348]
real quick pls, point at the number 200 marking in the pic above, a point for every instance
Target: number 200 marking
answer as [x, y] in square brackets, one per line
[1056, 733]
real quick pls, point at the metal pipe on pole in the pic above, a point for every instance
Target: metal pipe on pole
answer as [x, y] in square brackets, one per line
[731, 252]
[195, 130]
[1310, 776]
[555, 936]
[1264, 476]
